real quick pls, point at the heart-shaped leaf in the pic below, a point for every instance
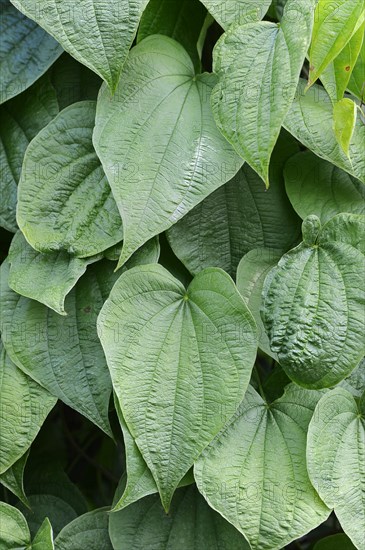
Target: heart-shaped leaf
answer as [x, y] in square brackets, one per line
[236, 11]
[336, 459]
[180, 362]
[87, 531]
[44, 537]
[315, 292]
[64, 199]
[158, 142]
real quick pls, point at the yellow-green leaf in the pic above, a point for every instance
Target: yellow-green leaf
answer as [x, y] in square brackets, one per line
[344, 120]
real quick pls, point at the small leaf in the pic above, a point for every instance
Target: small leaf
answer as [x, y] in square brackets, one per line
[182, 365]
[14, 532]
[64, 199]
[24, 406]
[12, 478]
[89, 531]
[98, 34]
[254, 472]
[26, 52]
[336, 461]
[160, 123]
[236, 11]
[315, 186]
[310, 120]
[258, 67]
[44, 537]
[334, 25]
[315, 292]
[344, 121]
[190, 525]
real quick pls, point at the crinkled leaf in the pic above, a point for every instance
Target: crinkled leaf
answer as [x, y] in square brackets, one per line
[239, 216]
[12, 478]
[313, 302]
[89, 531]
[98, 34]
[236, 11]
[62, 353]
[258, 67]
[190, 525]
[315, 186]
[158, 142]
[21, 119]
[344, 121]
[43, 539]
[334, 542]
[47, 278]
[14, 532]
[334, 25]
[24, 406]
[336, 459]
[251, 274]
[254, 473]
[356, 84]
[355, 383]
[64, 199]
[26, 51]
[182, 20]
[310, 120]
[180, 362]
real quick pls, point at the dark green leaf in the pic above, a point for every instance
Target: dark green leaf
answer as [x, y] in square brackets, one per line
[87, 532]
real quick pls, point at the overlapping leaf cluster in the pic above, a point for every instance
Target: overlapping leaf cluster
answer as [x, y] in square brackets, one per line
[186, 272]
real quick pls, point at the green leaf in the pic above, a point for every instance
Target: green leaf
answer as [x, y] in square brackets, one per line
[254, 473]
[44, 537]
[356, 84]
[315, 186]
[236, 11]
[21, 119]
[239, 216]
[310, 120]
[98, 34]
[140, 481]
[344, 121]
[149, 253]
[182, 365]
[336, 76]
[62, 353]
[182, 20]
[316, 292]
[26, 52]
[24, 406]
[251, 274]
[14, 532]
[64, 199]
[355, 383]
[190, 525]
[160, 123]
[47, 278]
[335, 542]
[89, 531]
[12, 478]
[336, 461]
[258, 67]
[334, 25]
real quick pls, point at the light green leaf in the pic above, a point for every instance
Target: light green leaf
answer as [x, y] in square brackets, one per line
[26, 52]
[336, 76]
[24, 406]
[236, 11]
[14, 532]
[334, 25]
[254, 473]
[139, 482]
[87, 532]
[47, 278]
[44, 537]
[251, 273]
[334, 542]
[336, 459]
[237, 217]
[64, 199]
[190, 525]
[315, 186]
[344, 121]
[310, 120]
[180, 362]
[62, 353]
[149, 253]
[182, 20]
[258, 67]
[160, 123]
[356, 84]
[12, 478]
[313, 302]
[98, 34]
[355, 383]
[21, 119]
